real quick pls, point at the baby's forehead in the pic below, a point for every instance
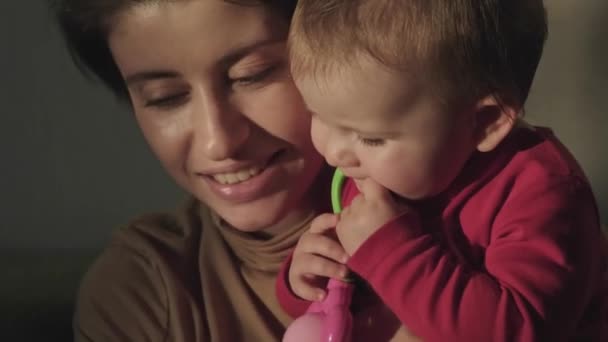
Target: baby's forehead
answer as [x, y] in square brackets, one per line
[363, 82]
[376, 105]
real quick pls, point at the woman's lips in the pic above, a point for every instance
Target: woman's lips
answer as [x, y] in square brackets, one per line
[253, 187]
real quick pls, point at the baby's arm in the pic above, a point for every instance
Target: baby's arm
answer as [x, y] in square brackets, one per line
[538, 274]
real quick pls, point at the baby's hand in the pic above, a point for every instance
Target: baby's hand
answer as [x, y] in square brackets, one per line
[368, 212]
[317, 256]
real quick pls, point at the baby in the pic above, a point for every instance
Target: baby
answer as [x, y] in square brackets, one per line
[465, 222]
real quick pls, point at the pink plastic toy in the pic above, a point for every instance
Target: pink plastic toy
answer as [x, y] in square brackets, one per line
[330, 320]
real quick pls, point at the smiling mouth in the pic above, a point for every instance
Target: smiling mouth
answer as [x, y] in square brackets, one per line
[240, 176]
[243, 175]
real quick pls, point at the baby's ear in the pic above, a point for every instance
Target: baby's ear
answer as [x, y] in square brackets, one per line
[493, 122]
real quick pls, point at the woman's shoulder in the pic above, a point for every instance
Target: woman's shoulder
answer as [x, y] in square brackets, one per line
[149, 265]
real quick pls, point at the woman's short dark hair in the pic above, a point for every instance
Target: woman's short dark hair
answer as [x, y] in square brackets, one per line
[84, 25]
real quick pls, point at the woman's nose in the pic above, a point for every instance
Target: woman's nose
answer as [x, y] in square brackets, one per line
[220, 129]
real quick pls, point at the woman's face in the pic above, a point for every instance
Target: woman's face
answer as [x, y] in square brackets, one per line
[211, 90]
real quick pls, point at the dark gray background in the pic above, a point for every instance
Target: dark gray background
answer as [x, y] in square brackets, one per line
[74, 166]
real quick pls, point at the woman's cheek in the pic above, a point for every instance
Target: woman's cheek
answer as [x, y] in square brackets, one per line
[279, 110]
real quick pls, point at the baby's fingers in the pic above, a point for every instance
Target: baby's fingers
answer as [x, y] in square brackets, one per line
[323, 222]
[328, 268]
[323, 246]
[307, 289]
[308, 275]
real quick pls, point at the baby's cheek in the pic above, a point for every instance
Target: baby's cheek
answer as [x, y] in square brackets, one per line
[319, 136]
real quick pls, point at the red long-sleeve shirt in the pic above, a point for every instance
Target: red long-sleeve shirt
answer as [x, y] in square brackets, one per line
[512, 251]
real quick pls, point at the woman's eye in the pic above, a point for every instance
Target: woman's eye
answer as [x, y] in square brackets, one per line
[371, 142]
[254, 78]
[165, 102]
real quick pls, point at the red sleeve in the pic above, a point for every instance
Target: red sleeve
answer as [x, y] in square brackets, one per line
[293, 305]
[536, 279]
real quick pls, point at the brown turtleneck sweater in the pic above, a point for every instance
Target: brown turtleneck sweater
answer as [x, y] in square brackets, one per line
[185, 277]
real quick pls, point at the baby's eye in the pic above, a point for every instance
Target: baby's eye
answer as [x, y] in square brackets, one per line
[371, 142]
[168, 101]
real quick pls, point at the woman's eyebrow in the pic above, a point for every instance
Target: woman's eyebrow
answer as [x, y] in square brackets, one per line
[227, 60]
[149, 75]
[239, 52]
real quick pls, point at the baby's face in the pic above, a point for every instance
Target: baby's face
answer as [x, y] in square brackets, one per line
[374, 122]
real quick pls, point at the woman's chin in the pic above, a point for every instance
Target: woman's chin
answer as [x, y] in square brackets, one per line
[253, 216]
[249, 224]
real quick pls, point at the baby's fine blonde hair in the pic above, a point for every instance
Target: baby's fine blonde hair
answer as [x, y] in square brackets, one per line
[465, 49]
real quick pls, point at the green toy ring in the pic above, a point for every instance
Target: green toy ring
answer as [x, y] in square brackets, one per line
[337, 182]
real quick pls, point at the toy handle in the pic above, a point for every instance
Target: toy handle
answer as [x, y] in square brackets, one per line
[338, 318]
[331, 318]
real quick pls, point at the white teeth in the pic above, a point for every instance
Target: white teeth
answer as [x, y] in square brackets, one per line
[220, 178]
[236, 177]
[231, 178]
[243, 175]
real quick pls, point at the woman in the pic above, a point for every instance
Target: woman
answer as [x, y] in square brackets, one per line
[208, 83]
